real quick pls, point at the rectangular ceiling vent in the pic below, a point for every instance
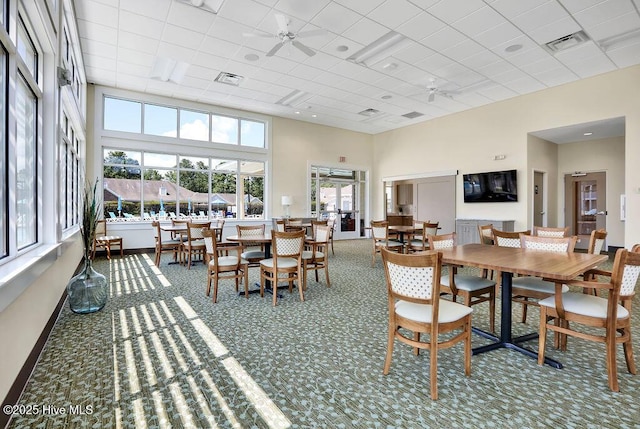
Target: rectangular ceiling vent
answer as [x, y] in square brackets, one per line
[566, 42]
[229, 78]
[369, 112]
[412, 115]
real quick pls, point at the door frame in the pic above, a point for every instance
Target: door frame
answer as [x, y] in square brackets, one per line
[569, 203]
[545, 199]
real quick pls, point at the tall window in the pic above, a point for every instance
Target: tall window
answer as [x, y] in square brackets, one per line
[146, 185]
[4, 224]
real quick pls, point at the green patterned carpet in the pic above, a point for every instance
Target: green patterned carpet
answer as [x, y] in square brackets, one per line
[161, 354]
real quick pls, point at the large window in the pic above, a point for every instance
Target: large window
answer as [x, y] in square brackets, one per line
[26, 157]
[168, 121]
[4, 224]
[142, 185]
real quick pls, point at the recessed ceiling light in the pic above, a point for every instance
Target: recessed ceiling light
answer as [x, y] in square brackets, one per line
[314, 116]
[297, 112]
[386, 97]
[390, 66]
[251, 57]
[588, 134]
[342, 48]
[513, 48]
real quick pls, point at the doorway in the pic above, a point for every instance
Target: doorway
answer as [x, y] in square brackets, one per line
[539, 212]
[585, 204]
[337, 194]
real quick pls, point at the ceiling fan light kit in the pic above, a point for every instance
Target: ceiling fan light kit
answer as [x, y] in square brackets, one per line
[288, 37]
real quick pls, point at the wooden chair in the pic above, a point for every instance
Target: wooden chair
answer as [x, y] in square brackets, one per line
[415, 305]
[164, 244]
[421, 242]
[194, 245]
[314, 225]
[596, 243]
[250, 253]
[316, 258]
[507, 238]
[380, 237]
[287, 250]
[486, 234]
[612, 315]
[224, 262]
[280, 224]
[473, 289]
[294, 224]
[527, 288]
[332, 225]
[543, 231]
[105, 241]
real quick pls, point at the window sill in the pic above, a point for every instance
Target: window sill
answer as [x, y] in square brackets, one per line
[17, 275]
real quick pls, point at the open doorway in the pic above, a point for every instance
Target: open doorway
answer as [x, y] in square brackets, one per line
[585, 204]
[539, 210]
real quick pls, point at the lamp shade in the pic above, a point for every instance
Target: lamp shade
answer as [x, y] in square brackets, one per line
[287, 200]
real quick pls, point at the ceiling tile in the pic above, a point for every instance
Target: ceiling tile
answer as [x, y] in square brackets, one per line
[443, 39]
[421, 26]
[140, 43]
[453, 10]
[365, 31]
[135, 57]
[211, 45]
[393, 13]
[99, 13]
[156, 9]
[190, 17]
[247, 12]
[540, 16]
[625, 56]
[183, 37]
[462, 50]
[304, 10]
[138, 24]
[99, 48]
[620, 25]
[554, 30]
[478, 21]
[176, 52]
[497, 35]
[363, 7]
[603, 12]
[510, 8]
[574, 6]
[97, 32]
[336, 18]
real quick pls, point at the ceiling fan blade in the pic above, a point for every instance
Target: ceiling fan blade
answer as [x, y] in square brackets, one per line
[311, 33]
[262, 35]
[283, 25]
[432, 96]
[304, 48]
[275, 49]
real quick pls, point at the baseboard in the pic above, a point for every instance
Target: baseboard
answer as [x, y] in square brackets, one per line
[13, 396]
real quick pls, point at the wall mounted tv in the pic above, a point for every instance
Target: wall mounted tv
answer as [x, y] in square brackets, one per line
[491, 187]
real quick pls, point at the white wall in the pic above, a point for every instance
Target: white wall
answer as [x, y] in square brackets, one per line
[467, 141]
[543, 156]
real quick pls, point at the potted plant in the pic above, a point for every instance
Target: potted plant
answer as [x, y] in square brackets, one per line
[88, 290]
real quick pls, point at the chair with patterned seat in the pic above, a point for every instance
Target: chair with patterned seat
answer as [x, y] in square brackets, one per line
[253, 252]
[611, 315]
[527, 290]
[473, 289]
[420, 242]
[104, 240]
[381, 239]
[596, 243]
[194, 245]
[316, 257]
[224, 262]
[164, 243]
[547, 231]
[286, 259]
[415, 308]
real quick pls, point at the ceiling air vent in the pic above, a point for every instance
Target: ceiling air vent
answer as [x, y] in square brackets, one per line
[229, 78]
[412, 115]
[369, 112]
[566, 42]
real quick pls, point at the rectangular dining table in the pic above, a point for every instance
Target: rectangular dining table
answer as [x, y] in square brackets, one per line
[552, 266]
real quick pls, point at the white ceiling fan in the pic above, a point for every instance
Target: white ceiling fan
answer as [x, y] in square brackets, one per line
[433, 90]
[287, 37]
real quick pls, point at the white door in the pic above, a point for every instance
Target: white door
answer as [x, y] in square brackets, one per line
[339, 201]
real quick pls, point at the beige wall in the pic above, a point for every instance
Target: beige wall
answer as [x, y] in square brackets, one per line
[467, 141]
[297, 145]
[543, 156]
[22, 322]
[597, 155]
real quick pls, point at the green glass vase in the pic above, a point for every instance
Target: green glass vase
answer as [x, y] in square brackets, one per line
[87, 291]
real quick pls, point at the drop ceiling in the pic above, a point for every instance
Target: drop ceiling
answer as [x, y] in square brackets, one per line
[460, 53]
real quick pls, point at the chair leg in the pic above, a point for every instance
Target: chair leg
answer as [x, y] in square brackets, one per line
[208, 283]
[542, 336]
[628, 352]
[326, 273]
[612, 368]
[416, 338]
[524, 311]
[492, 310]
[245, 271]
[108, 248]
[215, 288]
[433, 367]
[387, 360]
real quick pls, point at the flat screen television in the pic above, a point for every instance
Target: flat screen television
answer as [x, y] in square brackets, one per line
[491, 187]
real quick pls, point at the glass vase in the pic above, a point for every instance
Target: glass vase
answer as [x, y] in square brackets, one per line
[87, 291]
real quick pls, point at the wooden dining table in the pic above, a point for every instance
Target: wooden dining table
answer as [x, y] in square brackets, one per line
[552, 266]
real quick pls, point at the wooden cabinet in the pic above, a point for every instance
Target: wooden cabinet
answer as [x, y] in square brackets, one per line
[404, 194]
[398, 220]
[467, 229]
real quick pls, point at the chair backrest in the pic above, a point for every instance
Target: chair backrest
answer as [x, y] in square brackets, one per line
[322, 233]
[413, 277]
[486, 233]
[430, 228]
[548, 244]
[544, 231]
[157, 232]
[287, 244]
[314, 226]
[625, 273]
[250, 230]
[280, 224]
[294, 222]
[211, 246]
[444, 241]
[507, 238]
[194, 230]
[101, 228]
[380, 229]
[596, 241]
